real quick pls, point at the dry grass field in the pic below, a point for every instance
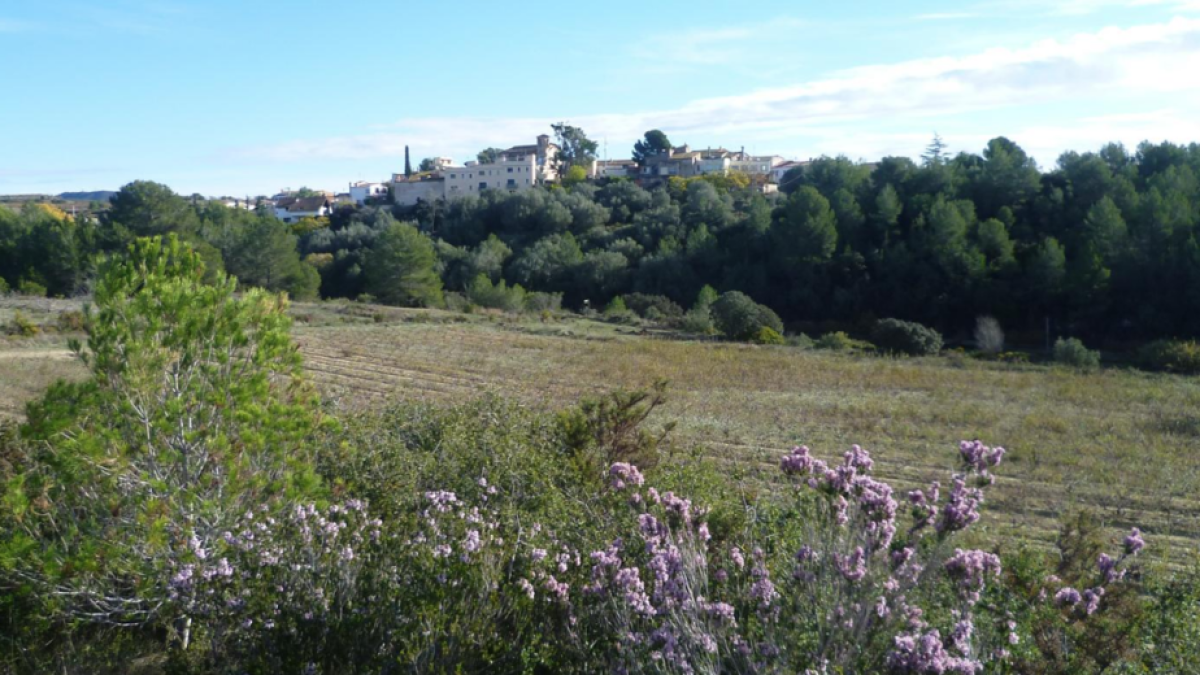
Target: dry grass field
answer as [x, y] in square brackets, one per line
[1123, 443]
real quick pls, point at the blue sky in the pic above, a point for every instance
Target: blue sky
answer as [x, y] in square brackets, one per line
[248, 96]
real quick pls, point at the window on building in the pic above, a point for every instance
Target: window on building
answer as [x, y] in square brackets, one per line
[453, 176]
[483, 186]
[510, 169]
[512, 183]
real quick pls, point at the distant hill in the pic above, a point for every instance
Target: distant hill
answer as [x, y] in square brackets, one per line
[98, 196]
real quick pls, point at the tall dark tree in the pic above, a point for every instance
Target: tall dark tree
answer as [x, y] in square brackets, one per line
[400, 269]
[407, 163]
[654, 142]
[488, 155]
[574, 147]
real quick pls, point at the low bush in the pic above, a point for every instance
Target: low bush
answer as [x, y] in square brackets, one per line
[31, 288]
[1072, 352]
[22, 326]
[836, 341]
[483, 293]
[905, 337]
[698, 321]
[1172, 356]
[738, 317]
[69, 322]
[767, 336]
[800, 341]
[543, 303]
[653, 307]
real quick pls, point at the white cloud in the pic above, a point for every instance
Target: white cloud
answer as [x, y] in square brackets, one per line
[1125, 64]
[675, 51]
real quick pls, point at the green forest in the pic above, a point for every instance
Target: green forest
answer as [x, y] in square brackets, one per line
[1103, 246]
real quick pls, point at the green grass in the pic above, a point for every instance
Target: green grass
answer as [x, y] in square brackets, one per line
[1120, 442]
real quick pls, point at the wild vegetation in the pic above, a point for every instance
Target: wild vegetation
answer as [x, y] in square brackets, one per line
[190, 507]
[1101, 248]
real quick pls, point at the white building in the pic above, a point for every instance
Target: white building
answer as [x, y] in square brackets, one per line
[545, 156]
[363, 190]
[754, 166]
[511, 172]
[781, 169]
[292, 209]
[613, 168]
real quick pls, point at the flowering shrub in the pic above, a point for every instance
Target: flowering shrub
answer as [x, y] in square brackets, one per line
[276, 588]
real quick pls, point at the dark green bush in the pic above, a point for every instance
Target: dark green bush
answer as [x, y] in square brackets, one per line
[738, 317]
[905, 337]
[836, 341]
[1172, 356]
[642, 304]
[1072, 352]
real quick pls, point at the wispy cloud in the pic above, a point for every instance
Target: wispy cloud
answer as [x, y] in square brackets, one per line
[1130, 62]
[698, 47]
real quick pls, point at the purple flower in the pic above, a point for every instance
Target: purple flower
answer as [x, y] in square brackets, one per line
[854, 566]
[1134, 542]
[442, 501]
[1091, 598]
[1067, 596]
[800, 462]
[961, 508]
[1108, 568]
[622, 474]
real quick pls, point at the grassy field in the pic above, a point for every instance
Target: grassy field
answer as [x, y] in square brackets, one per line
[1123, 443]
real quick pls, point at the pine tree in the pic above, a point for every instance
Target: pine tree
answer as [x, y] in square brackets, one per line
[407, 163]
[401, 268]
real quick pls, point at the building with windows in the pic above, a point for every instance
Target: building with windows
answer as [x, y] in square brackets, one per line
[292, 209]
[545, 156]
[511, 172]
[613, 168]
[363, 190]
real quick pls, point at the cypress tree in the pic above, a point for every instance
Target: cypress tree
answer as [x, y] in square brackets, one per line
[407, 163]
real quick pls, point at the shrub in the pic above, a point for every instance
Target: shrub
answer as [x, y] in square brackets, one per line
[31, 288]
[642, 304]
[738, 317]
[600, 431]
[163, 447]
[1072, 352]
[543, 303]
[989, 338]
[70, 322]
[616, 308]
[456, 302]
[3, 286]
[1172, 356]
[698, 320]
[800, 341]
[836, 341]
[22, 326]
[365, 298]
[905, 337]
[767, 336]
[496, 296]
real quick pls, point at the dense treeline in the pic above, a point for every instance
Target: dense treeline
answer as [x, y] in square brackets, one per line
[1103, 246]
